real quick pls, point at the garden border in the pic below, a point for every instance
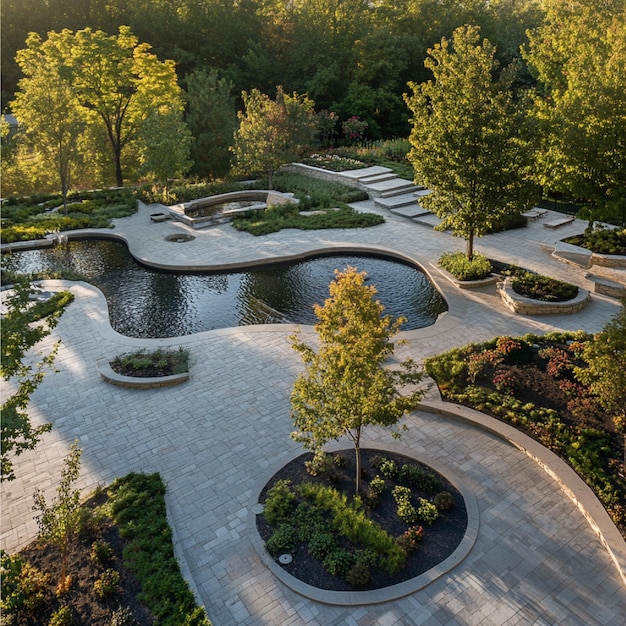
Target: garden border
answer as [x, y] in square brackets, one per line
[385, 594]
[528, 306]
[137, 382]
[567, 479]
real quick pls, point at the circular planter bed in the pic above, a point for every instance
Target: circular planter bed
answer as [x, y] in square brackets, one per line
[329, 566]
[525, 305]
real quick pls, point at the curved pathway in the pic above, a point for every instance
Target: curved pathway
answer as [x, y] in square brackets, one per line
[536, 559]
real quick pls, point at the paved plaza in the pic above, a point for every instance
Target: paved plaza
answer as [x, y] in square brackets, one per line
[215, 439]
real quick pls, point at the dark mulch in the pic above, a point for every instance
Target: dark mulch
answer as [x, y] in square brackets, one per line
[440, 539]
[89, 609]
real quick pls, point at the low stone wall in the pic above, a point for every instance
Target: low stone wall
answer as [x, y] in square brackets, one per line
[528, 306]
[318, 172]
[608, 260]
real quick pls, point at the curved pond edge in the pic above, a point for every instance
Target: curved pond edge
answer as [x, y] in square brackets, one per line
[528, 306]
[385, 594]
[136, 382]
[567, 479]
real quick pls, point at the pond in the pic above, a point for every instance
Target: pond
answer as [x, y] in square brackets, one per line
[150, 304]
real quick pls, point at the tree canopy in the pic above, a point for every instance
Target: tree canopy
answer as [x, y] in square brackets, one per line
[348, 383]
[469, 141]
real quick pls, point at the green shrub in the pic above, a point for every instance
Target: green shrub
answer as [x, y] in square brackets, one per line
[108, 585]
[427, 511]
[444, 500]
[359, 575]
[321, 544]
[283, 539]
[138, 508]
[405, 510]
[338, 562]
[543, 288]
[279, 503]
[389, 469]
[176, 361]
[415, 476]
[62, 617]
[602, 240]
[462, 268]
[101, 552]
[123, 617]
[377, 485]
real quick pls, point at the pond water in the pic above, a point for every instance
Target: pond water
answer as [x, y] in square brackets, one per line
[150, 304]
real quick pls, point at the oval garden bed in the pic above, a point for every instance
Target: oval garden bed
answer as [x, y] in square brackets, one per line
[408, 520]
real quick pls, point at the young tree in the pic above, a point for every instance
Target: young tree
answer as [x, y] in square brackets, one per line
[212, 120]
[272, 132]
[349, 383]
[60, 521]
[19, 334]
[164, 141]
[579, 57]
[606, 371]
[470, 138]
[49, 112]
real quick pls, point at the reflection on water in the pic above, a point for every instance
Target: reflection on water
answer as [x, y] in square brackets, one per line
[146, 303]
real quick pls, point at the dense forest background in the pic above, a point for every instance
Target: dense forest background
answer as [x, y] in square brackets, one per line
[353, 57]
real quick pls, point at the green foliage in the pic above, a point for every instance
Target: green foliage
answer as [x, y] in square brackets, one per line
[63, 617]
[389, 469]
[272, 220]
[60, 521]
[359, 575]
[444, 501]
[602, 240]
[123, 617]
[462, 268]
[347, 384]
[543, 288]
[321, 544]
[465, 116]
[175, 361]
[272, 132]
[338, 562]
[427, 511]
[377, 485]
[413, 475]
[108, 585]
[282, 540]
[101, 552]
[279, 502]
[605, 356]
[138, 508]
[405, 509]
[26, 218]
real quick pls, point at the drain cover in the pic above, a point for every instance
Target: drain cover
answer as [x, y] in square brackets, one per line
[285, 559]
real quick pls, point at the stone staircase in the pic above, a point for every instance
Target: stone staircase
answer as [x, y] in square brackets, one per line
[397, 195]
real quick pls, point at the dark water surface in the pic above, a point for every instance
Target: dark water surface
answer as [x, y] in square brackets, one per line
[147, 303]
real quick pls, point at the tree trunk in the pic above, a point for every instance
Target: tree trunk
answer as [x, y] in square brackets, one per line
[118, 167]
[357, 455]
[470, 246]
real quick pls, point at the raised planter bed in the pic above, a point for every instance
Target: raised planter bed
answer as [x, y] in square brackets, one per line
[134, 382]
[528, 306]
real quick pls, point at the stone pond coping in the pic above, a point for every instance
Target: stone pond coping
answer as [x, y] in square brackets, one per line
[135, 382]
[528, 306]
[567, 479]
[386, 594]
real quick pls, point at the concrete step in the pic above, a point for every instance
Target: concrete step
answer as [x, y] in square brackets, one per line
[411, 211]
[392, 187]
[364, 172]
[377, 178]
[394, 202]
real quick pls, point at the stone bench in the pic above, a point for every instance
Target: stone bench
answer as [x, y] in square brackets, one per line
[559, 221]
[606, 286]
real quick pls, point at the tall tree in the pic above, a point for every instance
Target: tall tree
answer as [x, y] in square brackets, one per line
[21, 330]
[470, 138]
[212, 120]
[272, 132]
[348, 383]
[579, 58]
[49, 112]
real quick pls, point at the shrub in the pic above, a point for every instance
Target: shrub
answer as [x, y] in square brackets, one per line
[101, 552]
[377, 485]
[406, 511]
[359, 575]
[123, 617]
[279, 502]
[284, 539]
[462, 268]
[444, 500]
[427, 511]
[389, 469]
[543, 288]
[108, 585]
[408, 540]
[62, 617]
[338, 562]
[415, 476]
[602, 240]
[505, 381]
[321, 544]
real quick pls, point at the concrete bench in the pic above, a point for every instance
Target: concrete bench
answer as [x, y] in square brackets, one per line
[559, 221]
[606, 286]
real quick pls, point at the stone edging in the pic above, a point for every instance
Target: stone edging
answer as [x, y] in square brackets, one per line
[567, 479]
[134, 382]
[375, 596]
[528, 306]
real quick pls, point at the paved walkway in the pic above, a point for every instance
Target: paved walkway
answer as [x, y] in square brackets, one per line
[536, 559]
